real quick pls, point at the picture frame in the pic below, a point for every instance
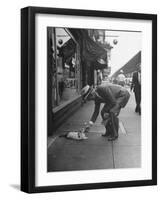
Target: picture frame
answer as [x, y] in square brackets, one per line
[29, 112]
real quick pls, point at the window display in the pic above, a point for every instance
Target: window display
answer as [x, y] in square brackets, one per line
[65, 63]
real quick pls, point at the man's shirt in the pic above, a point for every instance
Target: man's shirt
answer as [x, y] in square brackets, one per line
[136, 81]
[107, 94]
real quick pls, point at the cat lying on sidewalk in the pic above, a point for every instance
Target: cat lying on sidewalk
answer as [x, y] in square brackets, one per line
[77, 135]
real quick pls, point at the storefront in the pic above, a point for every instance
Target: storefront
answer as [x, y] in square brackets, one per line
[64, 74]
[72, 59]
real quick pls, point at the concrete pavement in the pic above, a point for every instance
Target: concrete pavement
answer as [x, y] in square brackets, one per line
[97, 152]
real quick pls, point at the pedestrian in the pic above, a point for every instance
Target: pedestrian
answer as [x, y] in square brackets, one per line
[136, 87]
[121, 78]
[114, 97]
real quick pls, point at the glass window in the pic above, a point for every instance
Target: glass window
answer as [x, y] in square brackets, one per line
[65, 66]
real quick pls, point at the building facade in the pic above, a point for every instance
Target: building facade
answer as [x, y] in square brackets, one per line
[73, 56]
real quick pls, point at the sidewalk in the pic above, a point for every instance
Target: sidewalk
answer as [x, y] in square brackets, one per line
[97, 152]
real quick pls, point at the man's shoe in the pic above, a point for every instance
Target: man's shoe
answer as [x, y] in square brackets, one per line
[105, 135]
[112, 138]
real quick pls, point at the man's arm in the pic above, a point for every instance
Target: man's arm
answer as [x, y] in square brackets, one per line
[96, 112]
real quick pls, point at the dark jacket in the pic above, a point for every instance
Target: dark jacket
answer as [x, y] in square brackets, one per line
[135, 85]
[110, 94]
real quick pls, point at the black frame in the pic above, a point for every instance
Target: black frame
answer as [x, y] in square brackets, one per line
[28, 98]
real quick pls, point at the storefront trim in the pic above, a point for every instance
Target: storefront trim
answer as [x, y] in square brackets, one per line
[64, 104]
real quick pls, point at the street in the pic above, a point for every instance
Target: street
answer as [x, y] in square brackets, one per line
[97, 152]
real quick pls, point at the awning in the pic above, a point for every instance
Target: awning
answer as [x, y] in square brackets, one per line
[130, 66]
[90, 50]
[98, 65]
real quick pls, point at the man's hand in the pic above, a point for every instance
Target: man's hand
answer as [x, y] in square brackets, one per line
[91, 123]
[115, 110]
[88, 126]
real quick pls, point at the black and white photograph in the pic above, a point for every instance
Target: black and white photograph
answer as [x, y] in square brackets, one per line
[91, 82]
[79, 104]
[95, 99]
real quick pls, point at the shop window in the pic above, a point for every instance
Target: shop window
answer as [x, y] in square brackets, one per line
[64, 61]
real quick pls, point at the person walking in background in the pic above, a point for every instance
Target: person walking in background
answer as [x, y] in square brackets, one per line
[136, 87]
[121, 78]
[114, 98]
